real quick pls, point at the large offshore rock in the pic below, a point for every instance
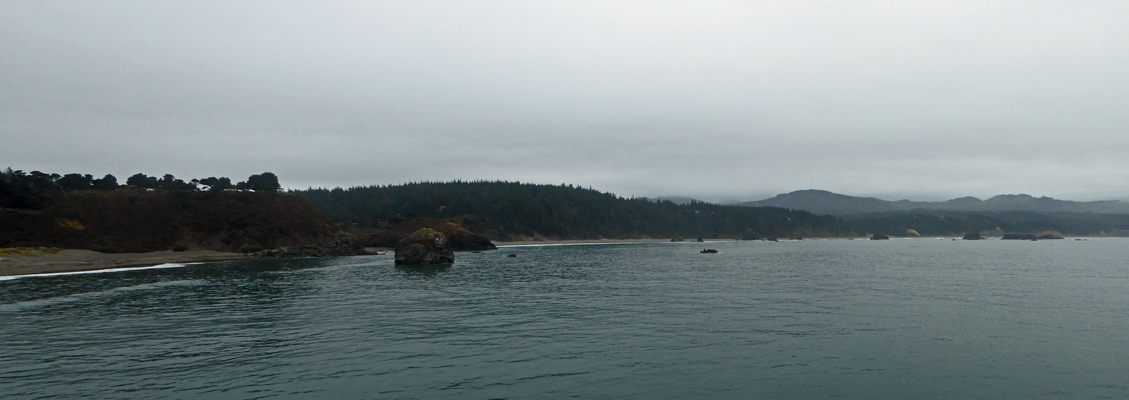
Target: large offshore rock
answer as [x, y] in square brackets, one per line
[422, 247]
[460, 238]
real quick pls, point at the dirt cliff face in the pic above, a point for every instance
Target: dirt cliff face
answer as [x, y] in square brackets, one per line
[129, 220]
[460, 238]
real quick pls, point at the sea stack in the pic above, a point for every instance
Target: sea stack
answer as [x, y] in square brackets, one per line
[424, 246]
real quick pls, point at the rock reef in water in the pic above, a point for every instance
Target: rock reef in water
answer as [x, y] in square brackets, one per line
[879, 236]
[972, 236]
[423, 247]
[1019, 236]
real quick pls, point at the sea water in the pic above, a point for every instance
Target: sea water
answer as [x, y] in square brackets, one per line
[905, 319]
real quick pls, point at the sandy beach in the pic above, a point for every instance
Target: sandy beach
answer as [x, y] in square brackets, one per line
[86, 260]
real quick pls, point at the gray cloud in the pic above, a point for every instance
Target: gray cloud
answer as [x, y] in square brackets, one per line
[722, 100]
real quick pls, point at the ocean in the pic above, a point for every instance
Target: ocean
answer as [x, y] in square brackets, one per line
[813, 319]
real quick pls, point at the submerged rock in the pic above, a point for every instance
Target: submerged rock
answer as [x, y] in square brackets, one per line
[425, 246]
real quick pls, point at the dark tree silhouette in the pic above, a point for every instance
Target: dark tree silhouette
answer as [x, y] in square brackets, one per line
[265, 182]
[76, 182]
[108, 182]
[141, 181]
[217, 184]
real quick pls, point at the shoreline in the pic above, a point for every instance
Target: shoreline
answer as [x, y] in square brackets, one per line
[72, 260]
[77, 261]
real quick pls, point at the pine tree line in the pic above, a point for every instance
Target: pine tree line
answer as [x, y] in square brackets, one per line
[507, 210]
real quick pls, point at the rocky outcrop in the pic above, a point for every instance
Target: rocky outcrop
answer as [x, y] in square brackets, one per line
[423, 247]
[972, 236]
[879, 236]
[333, 245]
[460, 238]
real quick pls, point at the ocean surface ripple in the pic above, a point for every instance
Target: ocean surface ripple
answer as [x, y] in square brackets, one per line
[909, 319]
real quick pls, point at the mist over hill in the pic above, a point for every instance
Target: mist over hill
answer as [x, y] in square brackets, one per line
[825, 202]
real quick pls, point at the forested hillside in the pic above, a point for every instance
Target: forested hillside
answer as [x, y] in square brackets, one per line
[150, 214]
[512, 210]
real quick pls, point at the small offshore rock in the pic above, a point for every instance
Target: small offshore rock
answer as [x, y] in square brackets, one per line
[423, 247]
[512, 256]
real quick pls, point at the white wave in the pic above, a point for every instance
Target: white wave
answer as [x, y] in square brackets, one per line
[94, 271]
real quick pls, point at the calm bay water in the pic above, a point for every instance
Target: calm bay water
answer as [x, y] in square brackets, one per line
[914, 319]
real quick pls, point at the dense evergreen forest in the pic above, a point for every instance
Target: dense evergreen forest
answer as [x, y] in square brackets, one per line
[36, 190]
[512, 210]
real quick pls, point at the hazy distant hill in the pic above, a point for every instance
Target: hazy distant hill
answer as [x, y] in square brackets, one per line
[682, 200]
[824, 202]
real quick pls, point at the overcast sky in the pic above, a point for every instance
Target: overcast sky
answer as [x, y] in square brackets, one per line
[717, 100]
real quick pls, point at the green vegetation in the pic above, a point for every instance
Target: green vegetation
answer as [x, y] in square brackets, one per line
[516, 211]
[28, 251]
[141, 221]
[36, 190]
[149, 214]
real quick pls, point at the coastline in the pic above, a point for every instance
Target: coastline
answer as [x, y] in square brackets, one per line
[575, 242]
[72, 260]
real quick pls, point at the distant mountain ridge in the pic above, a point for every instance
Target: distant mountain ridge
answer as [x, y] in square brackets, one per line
[825, 202]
